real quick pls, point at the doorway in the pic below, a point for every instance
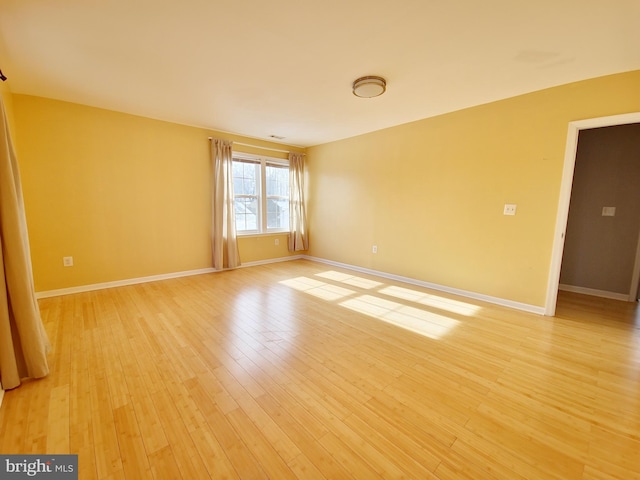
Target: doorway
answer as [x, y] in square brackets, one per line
[565, 198]
[601, 242]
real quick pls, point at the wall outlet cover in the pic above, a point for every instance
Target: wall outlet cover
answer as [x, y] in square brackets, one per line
[608, 211]
[510, 208]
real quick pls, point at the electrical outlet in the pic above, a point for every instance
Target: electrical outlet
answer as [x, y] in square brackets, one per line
[67, 261]
[374, 249]
[509, 209]
[276, 241]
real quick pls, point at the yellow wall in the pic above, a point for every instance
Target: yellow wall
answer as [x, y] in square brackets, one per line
[255, 248]
[126, 196]
[431, 193]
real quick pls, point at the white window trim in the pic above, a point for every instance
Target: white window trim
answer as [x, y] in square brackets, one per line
[262, 192]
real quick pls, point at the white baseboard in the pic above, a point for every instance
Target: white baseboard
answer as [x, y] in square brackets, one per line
[119, 283]
[441, 288]
[594, 292]
[272, 260]
[134, 281]
[152, 278]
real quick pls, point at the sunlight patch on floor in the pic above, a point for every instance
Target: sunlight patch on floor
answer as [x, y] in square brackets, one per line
[413, 319]
[318, 289]
[442, 303]
[377, 304]
[350, 279]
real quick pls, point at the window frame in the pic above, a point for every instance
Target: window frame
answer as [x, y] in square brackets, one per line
[262, 162]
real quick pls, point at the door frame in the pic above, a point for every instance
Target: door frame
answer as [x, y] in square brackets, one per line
[635, 277]
[562, 215]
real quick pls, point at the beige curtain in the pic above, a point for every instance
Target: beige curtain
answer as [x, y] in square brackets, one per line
[298, 235]
[23, 340]
[225, 244]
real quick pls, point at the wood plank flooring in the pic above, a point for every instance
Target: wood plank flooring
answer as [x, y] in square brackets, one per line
[300, 370]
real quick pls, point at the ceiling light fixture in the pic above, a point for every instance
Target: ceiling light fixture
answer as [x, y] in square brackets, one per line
[369, 87]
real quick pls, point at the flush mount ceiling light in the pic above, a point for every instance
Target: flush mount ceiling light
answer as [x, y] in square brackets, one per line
[370, 86]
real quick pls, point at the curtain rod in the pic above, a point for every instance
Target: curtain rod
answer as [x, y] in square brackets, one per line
[258, 146]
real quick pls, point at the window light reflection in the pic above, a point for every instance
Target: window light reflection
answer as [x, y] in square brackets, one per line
[435, 301]
[318, 289]
[413, 319]
[376, 304]
[349, 279]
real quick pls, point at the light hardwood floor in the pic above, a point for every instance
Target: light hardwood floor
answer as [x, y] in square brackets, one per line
[300, 370]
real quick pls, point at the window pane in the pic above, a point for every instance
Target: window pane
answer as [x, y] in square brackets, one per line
[277, 182]
[246, 213]
[278, 213]
[245, 178]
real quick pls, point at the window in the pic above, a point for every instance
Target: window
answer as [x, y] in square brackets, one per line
[246, 184]
[261, 194]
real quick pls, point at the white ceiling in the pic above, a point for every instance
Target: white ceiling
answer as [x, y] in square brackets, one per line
[285, 67]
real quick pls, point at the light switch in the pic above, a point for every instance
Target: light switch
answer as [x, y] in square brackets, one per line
[608, 211]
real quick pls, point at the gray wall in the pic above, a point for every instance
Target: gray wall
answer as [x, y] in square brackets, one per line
[600, 251]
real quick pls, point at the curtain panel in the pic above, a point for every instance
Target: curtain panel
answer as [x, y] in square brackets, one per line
[298, 235]
[224, 240]
[23, 340]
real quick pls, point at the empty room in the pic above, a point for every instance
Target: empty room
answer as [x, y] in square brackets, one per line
[320, 240]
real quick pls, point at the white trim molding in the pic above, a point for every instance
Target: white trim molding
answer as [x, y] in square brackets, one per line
[152, 278]
[119, 283]
[134, 281]
[594, 292]
[272, 260]
[441, 288]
